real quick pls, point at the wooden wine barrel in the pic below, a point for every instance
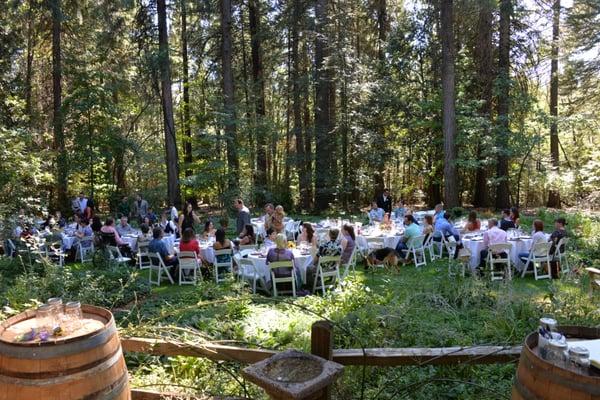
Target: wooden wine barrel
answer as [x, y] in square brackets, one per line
[540, 380]
[87, 366]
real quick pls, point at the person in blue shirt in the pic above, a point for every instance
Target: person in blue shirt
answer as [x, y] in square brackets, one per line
[156, 245]
[400, 210]
[444, 227]
[411, 231]
[438, 212]
[376, 213]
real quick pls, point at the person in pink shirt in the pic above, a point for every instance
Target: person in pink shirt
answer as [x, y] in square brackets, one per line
[493, 235]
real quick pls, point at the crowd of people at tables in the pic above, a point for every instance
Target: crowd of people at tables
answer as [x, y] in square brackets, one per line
[152, 228]
[440, 223]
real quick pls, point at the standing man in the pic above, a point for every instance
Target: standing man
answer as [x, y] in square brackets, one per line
[123, 208]
[243, 217]
[83, 202]
[384, 201]
[140, 208]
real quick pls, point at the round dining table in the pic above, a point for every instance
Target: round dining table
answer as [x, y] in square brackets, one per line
[302, 260]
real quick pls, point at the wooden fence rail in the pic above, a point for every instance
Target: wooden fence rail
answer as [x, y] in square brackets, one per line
[382, 357]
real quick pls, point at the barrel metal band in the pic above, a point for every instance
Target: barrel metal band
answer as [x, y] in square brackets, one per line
[65, 378]
[59, 350]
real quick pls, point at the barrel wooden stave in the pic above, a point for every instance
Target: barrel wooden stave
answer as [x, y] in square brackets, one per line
[537, 379]
[89, 367]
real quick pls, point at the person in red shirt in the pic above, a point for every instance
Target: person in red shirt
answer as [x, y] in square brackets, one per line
[189, 242]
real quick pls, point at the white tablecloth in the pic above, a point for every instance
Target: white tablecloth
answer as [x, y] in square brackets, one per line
[389, 240]
[301, 261]
[68, 241]
[169, 240]
[518, 246]
[207, 253]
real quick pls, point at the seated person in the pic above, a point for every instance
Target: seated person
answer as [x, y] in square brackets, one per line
[152, 216]
[145, 235]
[348, 243]
[560, 232]
[76, 223]
[506, 222]
[96, 224]
[514, 216]
[428, 226]
[222, 243]
[493, 235]
[385, 255]
[168, 226]
[156, 245]
[375, 213]
[123, 227]
[266, 219]
[189, 243]
[411, 231]
[277, 219]
[473, 223]
[60, 221]
[247, 236]
[329, 248]
[399, 210]
[270, 239]
[84, 230]
[536, 236]
[111, 237]
[281, 253]
[209, 230]
[307, 235]
[447, 229]
[438, 212]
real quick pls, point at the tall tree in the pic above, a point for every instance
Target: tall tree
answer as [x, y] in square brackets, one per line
[172, 157]
[260, 180]
[187, 129]
[301, 160]
[503, 128]
[485, 82]
[228, 99]
[380, 142]
[323, 190]
[59, 135]
[448, 106]
[554, 194]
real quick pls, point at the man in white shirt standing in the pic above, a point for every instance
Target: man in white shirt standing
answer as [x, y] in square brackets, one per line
[82, 202]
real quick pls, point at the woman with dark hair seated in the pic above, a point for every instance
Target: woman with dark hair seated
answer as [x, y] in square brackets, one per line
[247, 236]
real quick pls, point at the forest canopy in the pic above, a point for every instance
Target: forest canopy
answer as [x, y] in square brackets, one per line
[311, 104]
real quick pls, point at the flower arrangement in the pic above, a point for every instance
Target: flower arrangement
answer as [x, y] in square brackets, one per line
[291, 245]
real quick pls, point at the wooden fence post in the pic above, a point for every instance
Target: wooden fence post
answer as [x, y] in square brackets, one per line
[321, 345]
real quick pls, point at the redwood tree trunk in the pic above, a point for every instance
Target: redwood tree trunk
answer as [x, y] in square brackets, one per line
[503, 129]
[448, 111]
[258, 84]
[323, 191]
[187, 129]
[554, 194]
[485, 83]
[229, 100]
[172, 158]
[59, 136]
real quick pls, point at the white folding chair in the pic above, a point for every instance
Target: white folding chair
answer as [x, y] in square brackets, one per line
[351, 264]
[450, 245]
[493, 259]
[157, 264]
[143, 260]
[560, 255]
[11, 248]
[248, 272]
[436, 248]
[328, 267]
[228, 264]
[539, 254]
[284, 279]
[85, 249]
[116, 257]
[247, 247]
[417, 249]
[54, 253]
[291, 228]
[188, 262]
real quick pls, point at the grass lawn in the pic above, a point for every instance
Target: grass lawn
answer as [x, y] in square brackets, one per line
[412, 308]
